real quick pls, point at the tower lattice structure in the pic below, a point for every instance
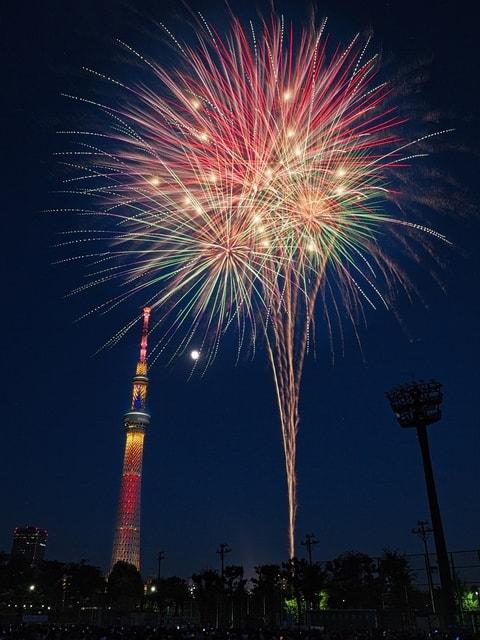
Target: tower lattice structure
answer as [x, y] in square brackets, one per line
[126, 543]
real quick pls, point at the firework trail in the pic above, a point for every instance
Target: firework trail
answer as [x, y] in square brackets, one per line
[238, 188]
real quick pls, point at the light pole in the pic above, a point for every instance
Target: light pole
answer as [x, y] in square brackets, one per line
[418, 404]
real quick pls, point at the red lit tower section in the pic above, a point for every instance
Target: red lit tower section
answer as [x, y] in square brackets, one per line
[126, 543]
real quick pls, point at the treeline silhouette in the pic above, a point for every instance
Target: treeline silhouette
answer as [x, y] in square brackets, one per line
[293, 591]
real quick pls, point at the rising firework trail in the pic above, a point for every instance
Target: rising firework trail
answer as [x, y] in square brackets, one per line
[238, 188]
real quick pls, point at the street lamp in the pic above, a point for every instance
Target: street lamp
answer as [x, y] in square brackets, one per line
[418, 404]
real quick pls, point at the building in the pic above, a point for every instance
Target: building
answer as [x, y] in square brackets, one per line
[126, 543]
[29, 544]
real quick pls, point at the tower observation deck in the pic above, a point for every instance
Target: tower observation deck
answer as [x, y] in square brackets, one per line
[126, 543]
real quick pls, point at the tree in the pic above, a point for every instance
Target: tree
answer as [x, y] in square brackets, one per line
[17, 577]
[125, 586]
[395, 580]
[267, 585]
[312, 581]
[170, 593]
[293, 580]
[352, 581]
[305, 582]
[208, 592]
[4, 575]
[469, 599]
[85, 583]
[48, 580]
[234, 583]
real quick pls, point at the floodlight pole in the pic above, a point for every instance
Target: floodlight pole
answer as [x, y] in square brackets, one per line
[418, 404]
[437, 525]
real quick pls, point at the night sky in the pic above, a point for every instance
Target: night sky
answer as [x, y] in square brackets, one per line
[213, 467]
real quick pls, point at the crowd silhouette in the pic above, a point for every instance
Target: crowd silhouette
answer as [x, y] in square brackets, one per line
[84, 632]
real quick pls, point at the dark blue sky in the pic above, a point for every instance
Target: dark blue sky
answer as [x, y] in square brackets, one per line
[213, 469]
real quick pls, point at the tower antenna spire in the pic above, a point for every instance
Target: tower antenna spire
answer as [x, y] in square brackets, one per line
[144, 340]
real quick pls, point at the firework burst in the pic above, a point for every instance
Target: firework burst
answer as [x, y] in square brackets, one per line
[241, 186]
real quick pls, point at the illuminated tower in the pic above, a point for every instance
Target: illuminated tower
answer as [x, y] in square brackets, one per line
[126, 543]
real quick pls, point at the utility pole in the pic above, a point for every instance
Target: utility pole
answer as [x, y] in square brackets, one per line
[222, 550]
[310, 541]
[422, 531]
[418, 404]
[161, 558]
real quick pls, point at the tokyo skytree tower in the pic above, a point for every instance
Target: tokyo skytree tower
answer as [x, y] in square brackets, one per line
[126, 543]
